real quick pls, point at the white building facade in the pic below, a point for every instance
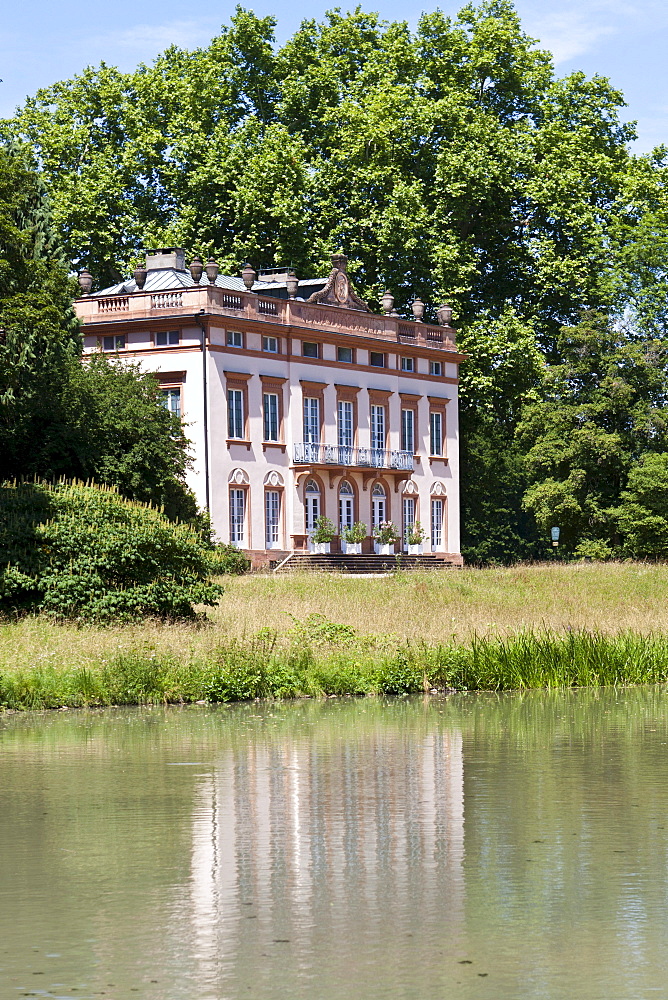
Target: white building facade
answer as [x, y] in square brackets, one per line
[298, 401]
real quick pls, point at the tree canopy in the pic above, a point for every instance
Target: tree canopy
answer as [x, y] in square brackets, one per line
[451, 163]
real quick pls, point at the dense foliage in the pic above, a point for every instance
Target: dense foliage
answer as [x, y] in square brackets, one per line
[451, 163]
[58, 417]
[85, 553]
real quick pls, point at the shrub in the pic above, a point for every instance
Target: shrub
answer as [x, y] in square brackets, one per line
[324, 531]
[228, 559]
[85, 553]
[355, 534]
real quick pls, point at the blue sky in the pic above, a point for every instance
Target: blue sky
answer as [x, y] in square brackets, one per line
[48, 41]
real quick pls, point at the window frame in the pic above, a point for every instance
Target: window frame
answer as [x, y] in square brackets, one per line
[115, 337]
[311, 344]
[238, 382]
[341, 361]
[432, 366]
[406, 360]
[167, 334]
[377, 354]
[406, 411]
[266, 337]
[229, 338]
[271, 418]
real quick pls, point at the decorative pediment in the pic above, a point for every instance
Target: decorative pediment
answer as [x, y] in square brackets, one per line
[438, 490]
[337, 291]
[410, 488]
[274, 479]
[238, 477]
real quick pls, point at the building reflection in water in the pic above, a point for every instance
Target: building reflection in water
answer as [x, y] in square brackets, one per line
[318, 848]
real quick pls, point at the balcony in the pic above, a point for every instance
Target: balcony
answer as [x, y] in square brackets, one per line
[361, 458]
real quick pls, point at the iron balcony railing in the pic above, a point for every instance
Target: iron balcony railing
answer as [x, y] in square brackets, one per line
[333, 454]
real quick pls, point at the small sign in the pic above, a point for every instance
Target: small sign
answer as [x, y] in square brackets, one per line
[555, 532]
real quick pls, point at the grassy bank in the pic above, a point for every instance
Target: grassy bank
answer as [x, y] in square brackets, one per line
[259, 668]
[525, 627]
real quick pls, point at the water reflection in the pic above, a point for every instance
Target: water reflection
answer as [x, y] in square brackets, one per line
[301, 838]
[510, 847]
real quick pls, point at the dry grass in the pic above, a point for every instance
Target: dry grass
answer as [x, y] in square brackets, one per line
[432, 607]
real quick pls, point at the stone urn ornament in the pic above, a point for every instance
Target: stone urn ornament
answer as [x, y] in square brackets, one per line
[139, 274]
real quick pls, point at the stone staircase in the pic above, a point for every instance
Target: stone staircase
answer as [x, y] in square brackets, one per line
[337, 562]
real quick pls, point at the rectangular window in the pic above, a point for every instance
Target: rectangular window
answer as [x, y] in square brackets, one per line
[408, 430]
[270, 344]
[235, 338]
[311, 420]
[167, 338]
[345, 424]
[171, 399]
[435, 368]
[436, 523]
[436, 433]
[408, 364]
[376, 359]
[235, 413]
[378, 428]
[310, 350]
[116, 343]
[272, 511]
[237, 516]
[270, 414]
[344, 355]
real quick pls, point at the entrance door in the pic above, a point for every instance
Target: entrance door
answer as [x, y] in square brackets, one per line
[346, 506]
[378, 505]
[272, 508]
[436, 524]
[312, 497]
[409, 517]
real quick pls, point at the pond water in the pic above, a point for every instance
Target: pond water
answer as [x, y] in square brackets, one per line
[478, 846]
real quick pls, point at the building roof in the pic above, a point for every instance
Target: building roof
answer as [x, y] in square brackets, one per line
[167, 278]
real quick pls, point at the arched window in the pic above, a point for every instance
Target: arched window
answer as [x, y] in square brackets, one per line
[346, 505]
[312, 503]
[378, 505]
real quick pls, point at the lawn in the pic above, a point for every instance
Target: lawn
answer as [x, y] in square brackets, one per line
[434, 608]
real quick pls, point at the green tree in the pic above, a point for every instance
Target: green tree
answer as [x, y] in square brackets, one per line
[642, 515]
[119, 432]
[60, 417]
[603, 407]
[39, 334]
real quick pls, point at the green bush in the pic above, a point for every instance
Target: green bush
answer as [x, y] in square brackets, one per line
[229, 560]
[85, 553]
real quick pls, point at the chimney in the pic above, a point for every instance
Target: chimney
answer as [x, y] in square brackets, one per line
[173, 258]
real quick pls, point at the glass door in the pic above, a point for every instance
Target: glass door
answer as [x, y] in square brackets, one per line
[409, 517]
[272, 507]
[378, 505]
[436, 524]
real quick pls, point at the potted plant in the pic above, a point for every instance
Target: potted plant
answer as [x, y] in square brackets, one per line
[322, 535]
[385, 535]
[352, 538]
[415, 536]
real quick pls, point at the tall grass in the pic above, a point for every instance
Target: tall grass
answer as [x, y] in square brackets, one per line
[311, 665]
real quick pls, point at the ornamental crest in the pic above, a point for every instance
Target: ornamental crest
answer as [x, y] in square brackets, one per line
[337, 291]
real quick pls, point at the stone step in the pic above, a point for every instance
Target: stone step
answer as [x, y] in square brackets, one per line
[338, 562]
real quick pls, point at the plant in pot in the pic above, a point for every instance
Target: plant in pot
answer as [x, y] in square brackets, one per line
[415, 536]
[385, 535]
[352, 538]
[322, 535]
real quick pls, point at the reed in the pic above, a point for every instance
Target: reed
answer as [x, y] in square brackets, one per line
[319, 661]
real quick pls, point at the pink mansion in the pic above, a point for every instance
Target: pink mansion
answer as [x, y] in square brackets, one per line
[298, 400]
